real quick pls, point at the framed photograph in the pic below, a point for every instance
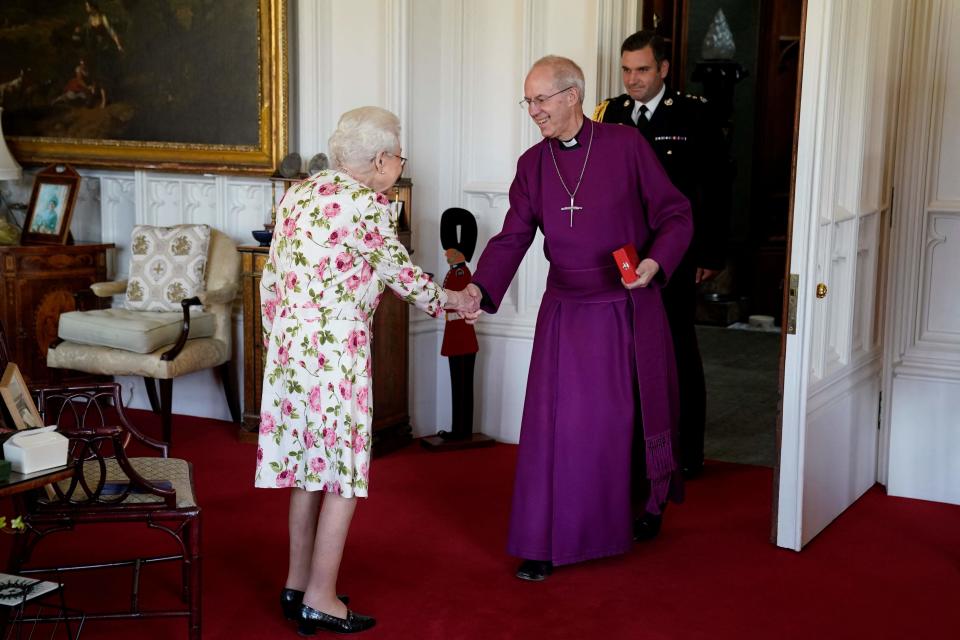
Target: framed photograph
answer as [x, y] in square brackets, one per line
[189, 85]
[17, 401]
[51, 205]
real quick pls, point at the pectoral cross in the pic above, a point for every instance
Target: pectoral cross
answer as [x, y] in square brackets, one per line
[572, 209]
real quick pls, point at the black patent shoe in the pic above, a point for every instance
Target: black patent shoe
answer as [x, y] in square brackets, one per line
[647, 526]
[291, 599]
[534, 570]
[312, 621]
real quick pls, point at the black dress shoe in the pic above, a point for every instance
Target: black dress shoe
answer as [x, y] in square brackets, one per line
[647, 526]
[291, 599]
[534, 570]
[312, 620]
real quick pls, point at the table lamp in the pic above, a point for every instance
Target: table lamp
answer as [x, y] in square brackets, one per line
[9, 170]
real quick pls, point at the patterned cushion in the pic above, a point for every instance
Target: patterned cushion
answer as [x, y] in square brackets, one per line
[167, 264]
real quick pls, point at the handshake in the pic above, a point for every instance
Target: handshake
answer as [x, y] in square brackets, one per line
[466, 302]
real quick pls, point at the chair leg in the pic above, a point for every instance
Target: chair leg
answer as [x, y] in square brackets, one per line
[223, 372]
[193, 549]
[166, 409]
[151, 385]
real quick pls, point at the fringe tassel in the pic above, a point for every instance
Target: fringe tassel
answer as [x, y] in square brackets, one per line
[660, 462]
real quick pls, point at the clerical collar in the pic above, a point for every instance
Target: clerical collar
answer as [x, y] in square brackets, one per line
[572, 143]
[651, 104]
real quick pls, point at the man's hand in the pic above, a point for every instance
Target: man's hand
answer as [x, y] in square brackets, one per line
[706, 274]
[646, 270]
[475, 294]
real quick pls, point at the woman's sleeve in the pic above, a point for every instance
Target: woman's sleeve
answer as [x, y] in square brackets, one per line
[269, 298]
[375, 239]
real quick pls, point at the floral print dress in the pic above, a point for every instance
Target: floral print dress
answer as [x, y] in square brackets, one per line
[334, 250]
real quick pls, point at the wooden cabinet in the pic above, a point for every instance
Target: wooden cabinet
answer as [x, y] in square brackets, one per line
[391, 413]
[37, 284]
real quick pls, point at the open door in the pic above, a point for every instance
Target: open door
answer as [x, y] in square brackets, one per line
[841, 209]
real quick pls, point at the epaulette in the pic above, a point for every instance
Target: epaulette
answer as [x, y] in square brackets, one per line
[600, 110]
[691, 96]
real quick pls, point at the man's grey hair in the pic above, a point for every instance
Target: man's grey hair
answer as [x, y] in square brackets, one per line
[361, 134]
[566, 73]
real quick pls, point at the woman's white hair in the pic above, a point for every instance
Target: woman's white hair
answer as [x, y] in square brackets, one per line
[361, 134]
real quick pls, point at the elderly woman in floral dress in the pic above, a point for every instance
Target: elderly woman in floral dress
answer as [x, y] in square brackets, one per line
[334, 251]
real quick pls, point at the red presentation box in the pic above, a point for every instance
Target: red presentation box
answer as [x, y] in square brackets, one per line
[627, 261]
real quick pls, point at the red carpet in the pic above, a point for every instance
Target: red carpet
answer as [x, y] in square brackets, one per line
[426, 557]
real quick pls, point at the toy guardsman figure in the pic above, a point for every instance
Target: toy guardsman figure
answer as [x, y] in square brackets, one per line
[458, 237]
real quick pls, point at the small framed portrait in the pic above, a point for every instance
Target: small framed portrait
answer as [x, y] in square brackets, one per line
[51, 206]
[17, 402]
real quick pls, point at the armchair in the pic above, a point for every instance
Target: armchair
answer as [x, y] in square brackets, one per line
[158, 345]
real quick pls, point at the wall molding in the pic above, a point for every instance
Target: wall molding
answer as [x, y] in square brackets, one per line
[397, 62]
[616, 19]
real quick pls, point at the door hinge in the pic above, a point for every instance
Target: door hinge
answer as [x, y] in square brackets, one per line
[792, 304]
[879, 411]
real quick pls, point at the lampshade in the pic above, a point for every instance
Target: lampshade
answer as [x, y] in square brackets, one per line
[9, 169]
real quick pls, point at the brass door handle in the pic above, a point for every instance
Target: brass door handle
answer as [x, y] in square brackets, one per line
[821, 291]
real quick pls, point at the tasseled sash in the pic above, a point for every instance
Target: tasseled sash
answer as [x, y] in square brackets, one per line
[656, 368]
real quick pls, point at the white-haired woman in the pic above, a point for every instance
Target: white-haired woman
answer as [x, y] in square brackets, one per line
[334, 251]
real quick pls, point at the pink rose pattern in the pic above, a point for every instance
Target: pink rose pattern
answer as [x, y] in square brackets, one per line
[336, 252]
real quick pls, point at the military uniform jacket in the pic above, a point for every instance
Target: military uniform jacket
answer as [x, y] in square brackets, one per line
[690, 146]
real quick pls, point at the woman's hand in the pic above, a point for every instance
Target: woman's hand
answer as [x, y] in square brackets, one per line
[646, 270]
[466, 302]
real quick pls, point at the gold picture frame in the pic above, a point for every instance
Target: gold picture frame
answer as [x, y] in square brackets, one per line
[51, 206]
[18, 405]
[180, 85]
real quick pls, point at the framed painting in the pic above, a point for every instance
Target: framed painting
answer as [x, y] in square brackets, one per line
[17, 401]
[51, 205]
[183, 85]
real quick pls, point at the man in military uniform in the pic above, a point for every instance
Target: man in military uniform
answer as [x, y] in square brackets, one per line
[690, 145]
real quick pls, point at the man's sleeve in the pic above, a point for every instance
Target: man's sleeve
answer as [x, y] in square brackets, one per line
[667, 210]
[502, 256]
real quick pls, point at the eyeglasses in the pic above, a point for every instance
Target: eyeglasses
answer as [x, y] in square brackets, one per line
[403, 161]
[539, 100]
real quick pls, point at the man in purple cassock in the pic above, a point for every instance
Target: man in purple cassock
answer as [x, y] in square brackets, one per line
[602, 356]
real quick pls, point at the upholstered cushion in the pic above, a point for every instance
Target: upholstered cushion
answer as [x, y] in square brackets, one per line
[137, 331]
[172, 470]
[167, 264]
[198, 354]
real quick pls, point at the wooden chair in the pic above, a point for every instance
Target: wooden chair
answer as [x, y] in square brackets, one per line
[109, 486]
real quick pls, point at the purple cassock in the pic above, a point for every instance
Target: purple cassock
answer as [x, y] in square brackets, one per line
[600, 351]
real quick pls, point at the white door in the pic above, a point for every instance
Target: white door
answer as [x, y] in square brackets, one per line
[841, 208]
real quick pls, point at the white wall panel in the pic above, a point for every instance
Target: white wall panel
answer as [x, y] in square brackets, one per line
[923, 336]
[925, 439]
[947, 170]
[357, 73]
[940, 306]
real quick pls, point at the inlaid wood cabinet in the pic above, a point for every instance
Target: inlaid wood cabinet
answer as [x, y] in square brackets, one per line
[37, 284]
